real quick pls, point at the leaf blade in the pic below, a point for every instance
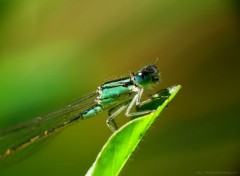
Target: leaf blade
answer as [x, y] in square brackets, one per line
[122, 143]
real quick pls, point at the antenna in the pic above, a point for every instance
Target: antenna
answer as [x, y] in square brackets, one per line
[156, 61]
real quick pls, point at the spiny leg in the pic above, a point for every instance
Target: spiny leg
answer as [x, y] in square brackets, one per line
[151, 99]
[139, 96]
[115, 108]
[111, 111]
[111, 118]
[135, 101]
[114, 124]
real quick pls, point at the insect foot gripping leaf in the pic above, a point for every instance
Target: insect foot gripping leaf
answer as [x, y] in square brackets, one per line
[122, 143]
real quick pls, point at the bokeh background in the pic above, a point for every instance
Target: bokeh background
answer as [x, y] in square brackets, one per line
[52, 51]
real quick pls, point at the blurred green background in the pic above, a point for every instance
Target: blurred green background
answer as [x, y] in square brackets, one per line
[54, 51]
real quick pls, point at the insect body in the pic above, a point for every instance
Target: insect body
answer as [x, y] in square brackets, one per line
[123, 94]
[114, 96]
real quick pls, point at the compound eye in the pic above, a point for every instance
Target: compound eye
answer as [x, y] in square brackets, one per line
[140, 74]
[143, 74]
[152, 69]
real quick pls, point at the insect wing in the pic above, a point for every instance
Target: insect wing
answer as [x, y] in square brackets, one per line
[16, 137]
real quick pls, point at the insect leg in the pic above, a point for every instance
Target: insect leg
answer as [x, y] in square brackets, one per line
[111, 118]
[139, 96]
[136, 101]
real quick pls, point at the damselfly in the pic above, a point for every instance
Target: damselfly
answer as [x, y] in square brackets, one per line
[114, 96]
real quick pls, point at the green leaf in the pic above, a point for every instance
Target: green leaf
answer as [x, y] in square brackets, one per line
[122, 143]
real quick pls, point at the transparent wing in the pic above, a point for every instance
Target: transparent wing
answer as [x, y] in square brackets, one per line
[13, 137]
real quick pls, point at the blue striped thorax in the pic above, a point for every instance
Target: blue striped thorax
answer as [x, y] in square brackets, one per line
[120, 90]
